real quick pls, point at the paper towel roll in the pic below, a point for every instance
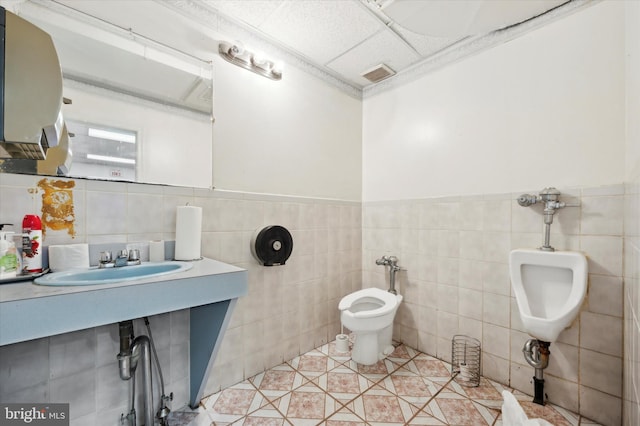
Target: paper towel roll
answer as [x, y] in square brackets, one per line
[68, 256]
[156, 251]
[188, 232]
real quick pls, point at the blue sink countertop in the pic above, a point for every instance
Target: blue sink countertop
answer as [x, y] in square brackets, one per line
[29, 311]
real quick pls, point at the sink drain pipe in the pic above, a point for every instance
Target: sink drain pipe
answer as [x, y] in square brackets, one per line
[536, 353]
[132, 352]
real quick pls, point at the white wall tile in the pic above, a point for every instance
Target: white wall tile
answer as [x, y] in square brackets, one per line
[448, 244]
[471, 214]
[599, 406]
[495, 278]
[602, 215]
[496, 246]
[605, 295]
[601, 333]
[495, 340]
[72, 353]
[602, 372]
[448, 270]
[447, 325]
[495, 367]
[23, 365]
[604, 254]
[496, 309]
[448, 298]
[564, 362]
[470, 304]
[496, 216]
[563, 392]
[469, 274]
[106, 213]
[79, 390]
[518, 340]
[111, 390]
[456, 281]
[471, 245]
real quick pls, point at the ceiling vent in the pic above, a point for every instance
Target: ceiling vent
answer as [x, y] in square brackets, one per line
[378, 73]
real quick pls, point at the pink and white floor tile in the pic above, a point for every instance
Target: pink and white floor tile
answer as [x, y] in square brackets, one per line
[307, 405]
[278, 381]
[454, 409]
[379, 407]
[325, 387]
[234, 403]
[343, 384]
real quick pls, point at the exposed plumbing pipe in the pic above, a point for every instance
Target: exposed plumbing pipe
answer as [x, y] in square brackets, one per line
[163, 412]
[536, 353]
[392, 262]
[548, 196]
[128, 358]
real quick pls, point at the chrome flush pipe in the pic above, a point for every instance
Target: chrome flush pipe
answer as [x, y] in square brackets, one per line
[548, 196]
[392, 262]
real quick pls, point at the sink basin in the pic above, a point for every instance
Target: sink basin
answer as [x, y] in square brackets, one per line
[95, 276]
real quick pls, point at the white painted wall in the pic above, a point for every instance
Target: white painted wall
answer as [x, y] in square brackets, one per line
[546, 109]
[631, 296]
[297, 136]
[633, 90]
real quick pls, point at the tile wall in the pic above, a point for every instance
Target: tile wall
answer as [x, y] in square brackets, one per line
[632, 305]
[288, 311]
[456, 280]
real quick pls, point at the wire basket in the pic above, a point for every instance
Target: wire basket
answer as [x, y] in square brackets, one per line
[465, 360]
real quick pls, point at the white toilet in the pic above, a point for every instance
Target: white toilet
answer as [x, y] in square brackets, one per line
[549, 288]
[369, 314]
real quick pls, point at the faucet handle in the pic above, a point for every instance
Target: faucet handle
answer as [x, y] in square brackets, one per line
[123, 254]
[105, 257]
[134, 255]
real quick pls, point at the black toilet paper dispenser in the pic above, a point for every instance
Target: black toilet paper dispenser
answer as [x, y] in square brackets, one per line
[272, 245]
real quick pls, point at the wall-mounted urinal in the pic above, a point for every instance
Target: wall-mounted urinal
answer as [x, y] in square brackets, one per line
[549, 288]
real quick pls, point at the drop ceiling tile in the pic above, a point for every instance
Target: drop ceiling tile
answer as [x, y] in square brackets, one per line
[321, 30]
[425, 45]
[385, 47]
[253, 12]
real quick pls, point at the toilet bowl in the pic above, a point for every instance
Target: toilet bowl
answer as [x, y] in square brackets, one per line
[549, 289]
[369, 314]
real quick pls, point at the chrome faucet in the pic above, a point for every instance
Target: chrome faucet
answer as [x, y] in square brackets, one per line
[124, 258]
[392, 263]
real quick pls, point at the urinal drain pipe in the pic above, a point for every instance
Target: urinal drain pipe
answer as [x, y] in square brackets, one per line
[536, 353]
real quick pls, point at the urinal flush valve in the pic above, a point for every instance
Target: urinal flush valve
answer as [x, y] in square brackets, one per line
[550, 197]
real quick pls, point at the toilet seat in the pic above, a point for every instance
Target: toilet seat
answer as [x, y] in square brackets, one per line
[388, 302]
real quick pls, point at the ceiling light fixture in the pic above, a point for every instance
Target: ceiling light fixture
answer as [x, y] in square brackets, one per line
[112, 135]
[255, 62]
[110, 159]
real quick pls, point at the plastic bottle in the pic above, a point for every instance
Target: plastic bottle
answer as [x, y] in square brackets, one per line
[8, 255]
[31, 244]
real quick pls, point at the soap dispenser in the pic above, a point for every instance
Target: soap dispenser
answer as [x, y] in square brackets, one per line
[8, 254]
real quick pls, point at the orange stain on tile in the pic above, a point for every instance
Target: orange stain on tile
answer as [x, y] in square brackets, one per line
[57, 205]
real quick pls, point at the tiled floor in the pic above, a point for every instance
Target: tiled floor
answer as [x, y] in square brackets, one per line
[324, 387]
